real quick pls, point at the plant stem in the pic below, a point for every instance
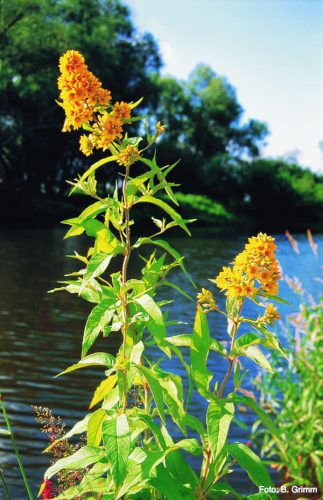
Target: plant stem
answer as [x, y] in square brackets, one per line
[208, 454]
[15, 447]
[205, 471]
[226, 377]
[124, 281]
[5, 485]
[127, 235]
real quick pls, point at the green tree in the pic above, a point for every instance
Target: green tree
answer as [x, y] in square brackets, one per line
[35, 155]
[283, 195]
[205, 126]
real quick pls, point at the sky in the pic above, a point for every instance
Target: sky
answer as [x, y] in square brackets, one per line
[271, 51]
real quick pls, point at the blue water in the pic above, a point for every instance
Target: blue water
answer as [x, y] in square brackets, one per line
[40, 333]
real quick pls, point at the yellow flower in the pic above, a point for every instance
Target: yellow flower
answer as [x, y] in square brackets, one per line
[271, 315]
[128, 156]
[160, 129]
[80, 90]
[107, 130]
[86, 145]
[255, 265]
[122, 110]
[206, 299]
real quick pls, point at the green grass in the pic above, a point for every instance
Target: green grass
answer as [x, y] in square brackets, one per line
[203, 208]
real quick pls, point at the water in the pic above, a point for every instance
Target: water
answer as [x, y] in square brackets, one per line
[40, 333]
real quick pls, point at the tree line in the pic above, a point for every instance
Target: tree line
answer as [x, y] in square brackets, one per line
[219, 151]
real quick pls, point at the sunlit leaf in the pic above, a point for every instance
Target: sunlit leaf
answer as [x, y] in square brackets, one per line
[96, 266]
[167, 208]
[94, 428]
[155, 389]
[96, 359]
[98, 318]
[116, 438]
[252, 464]
[218, 419]
[155, 324]
[165, 246]
[199, 352]
[247, 339]
[92, 169]
[103, 389]
[257, 356]
[81, 459]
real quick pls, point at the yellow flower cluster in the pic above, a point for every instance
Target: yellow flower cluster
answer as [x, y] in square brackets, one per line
[255, 269]
[271, 315]
[128, 156]
[85, 101]
[80, 90]
[206, 300]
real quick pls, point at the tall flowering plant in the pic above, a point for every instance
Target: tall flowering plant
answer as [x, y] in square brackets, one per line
[129, 450]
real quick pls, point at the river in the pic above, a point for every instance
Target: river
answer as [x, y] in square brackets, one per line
[40, 333]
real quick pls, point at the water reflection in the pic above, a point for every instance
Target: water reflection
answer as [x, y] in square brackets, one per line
[40, 333]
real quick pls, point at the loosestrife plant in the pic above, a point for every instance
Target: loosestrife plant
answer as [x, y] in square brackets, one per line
[129, 450]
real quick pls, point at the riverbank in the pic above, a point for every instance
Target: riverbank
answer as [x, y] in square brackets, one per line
[43, 210]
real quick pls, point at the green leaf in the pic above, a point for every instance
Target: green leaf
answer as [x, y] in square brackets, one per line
[199, 352]
[81, 459]
[271, 342]
[94, 428]
[78, 428]
[156, 324]
[89, 294]
[98, 318]
[218, 420]
[161, 176]
[183, 340]
[169, 249]
[103, 389]
[96, 266]
[221, 489]
[191, 445]
[5, 432]
[195, 424]
[216, 346]
[95, 209]
[95, 359]
[257, 356]
[174, 399]
[155, 429]
[246, 340]
[274, 298]
[180, 469]
[156, 390]
[252, 464]
[92, 169]
[167, 208]
[92, 481]
[168, 486]
[177, 288]
[116, 438]
[266, 420]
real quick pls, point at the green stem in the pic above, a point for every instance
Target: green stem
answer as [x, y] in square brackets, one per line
[5, 485]
[124, 281]
[206, 467]
[205, 471]
[236, 321]
[14, 445]
[226, 378]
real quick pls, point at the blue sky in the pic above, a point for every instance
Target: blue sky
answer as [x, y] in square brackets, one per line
[271, 51]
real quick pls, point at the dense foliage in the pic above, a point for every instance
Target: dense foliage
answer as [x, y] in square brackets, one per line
[203, 116]
[293, 397]
[129, 450]
[35, 156]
